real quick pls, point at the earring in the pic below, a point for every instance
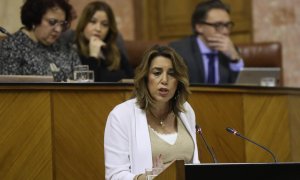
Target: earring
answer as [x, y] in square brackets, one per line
[176, 95]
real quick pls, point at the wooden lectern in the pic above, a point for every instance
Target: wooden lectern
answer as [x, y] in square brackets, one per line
[175, 171]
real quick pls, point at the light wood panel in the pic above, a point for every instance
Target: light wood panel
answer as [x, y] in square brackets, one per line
[241, 14]
[294, 125]
[175, 171]
[215, 112]
[10, 15]
[25, 141]
[80, 119]
[266, 122]
[171, 19]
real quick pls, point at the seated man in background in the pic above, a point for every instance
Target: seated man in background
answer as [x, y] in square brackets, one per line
[210, 54]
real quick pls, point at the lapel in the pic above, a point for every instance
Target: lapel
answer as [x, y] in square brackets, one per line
[197, 63]
[185, 122]
[142, 140]
[223, 68]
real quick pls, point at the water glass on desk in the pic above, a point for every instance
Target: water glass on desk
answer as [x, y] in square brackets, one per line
[268, 81]
[83, 74]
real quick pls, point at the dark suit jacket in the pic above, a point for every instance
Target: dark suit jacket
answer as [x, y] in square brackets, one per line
[188, 48]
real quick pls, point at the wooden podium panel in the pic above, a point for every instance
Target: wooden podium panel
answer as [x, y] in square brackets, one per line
[79, 122]
[263, 115]
[175, 171]
[56, 131]
[25, 135]
[266, 121]
[215, 111]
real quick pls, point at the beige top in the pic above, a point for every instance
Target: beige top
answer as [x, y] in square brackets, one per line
[183, 149]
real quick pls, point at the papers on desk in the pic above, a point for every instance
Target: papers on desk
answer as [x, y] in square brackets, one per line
[25, 79]
[130, 81]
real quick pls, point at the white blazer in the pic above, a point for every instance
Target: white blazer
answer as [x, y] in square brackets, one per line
[127, 146]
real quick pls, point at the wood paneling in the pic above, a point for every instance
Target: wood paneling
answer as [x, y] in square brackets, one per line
[294, 124]
[56, 131]
[259, 110]
[171, 19]
[215, 112]
[175, 171]
[10, 15]
[80, 119]
[25, 141]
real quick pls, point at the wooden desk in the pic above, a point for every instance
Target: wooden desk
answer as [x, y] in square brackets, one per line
[55, 131]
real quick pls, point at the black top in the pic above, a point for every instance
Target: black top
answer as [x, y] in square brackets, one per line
[102, 74]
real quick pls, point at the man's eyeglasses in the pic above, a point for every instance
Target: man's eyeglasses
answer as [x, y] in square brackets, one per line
[219, 26]
[54, 22]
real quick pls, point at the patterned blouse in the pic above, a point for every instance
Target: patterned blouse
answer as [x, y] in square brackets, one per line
[19, 55]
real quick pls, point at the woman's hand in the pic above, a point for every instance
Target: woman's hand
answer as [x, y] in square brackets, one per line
[95, 46]
[158, 162]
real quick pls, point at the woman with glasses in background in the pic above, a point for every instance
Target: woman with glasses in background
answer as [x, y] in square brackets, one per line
[35, 49]
[96, 41]
[210, 53]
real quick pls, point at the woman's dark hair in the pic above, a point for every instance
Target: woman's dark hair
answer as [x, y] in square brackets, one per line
[144, 99]
[202, 9]
[33, 11]
[112, 53]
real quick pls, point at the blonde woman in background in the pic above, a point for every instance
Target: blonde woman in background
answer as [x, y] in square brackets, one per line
[96, 37]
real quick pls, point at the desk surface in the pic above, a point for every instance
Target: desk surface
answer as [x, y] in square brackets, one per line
[198, 87]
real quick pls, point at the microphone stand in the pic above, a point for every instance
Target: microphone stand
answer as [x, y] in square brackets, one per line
[212, 154]
[235, 132]
[4, 31]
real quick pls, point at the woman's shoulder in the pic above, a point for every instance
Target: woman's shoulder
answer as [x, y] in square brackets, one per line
[126, 106]
[187, 106]
[123, 113]
[189, 111]
[17, 44]
[14, 39]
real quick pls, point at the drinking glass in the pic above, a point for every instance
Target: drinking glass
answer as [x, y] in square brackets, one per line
[83, 74]
[268, 81]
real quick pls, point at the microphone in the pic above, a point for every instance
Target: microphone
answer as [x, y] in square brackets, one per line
[4, 31]
[212, 154]
[235, 132]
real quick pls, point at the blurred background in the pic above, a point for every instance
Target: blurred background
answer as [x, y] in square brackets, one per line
[256, 21]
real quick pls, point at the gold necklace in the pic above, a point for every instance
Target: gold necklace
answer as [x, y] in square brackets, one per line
[161, 120]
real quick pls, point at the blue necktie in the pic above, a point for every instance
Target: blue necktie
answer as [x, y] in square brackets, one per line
[211, 79]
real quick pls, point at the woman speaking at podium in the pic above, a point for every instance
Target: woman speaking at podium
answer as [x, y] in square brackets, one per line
[157, 126]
